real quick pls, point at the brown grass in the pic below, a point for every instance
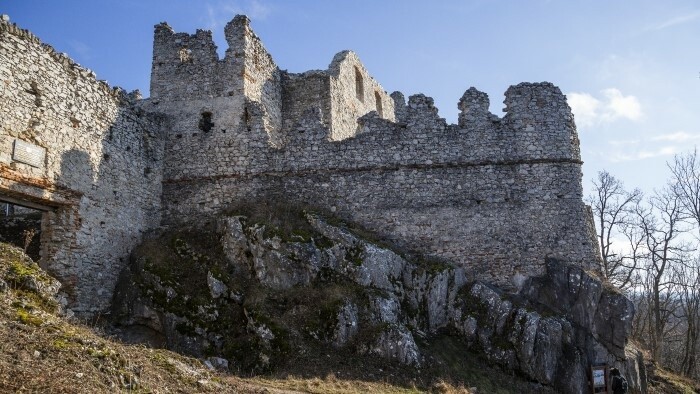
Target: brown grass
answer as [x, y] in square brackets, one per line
[41, 352]
[667, 382]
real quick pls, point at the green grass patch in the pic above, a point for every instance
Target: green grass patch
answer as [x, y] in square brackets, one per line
[27, 317]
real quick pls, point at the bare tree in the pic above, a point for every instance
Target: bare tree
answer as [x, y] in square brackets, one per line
[685, 183]
[689, 279]
[662, 224]
[658, 266]
[612, 206]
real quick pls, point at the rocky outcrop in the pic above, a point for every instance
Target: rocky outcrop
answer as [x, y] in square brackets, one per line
[267, 292]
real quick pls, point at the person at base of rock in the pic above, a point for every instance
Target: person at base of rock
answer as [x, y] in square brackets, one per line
[619, 383]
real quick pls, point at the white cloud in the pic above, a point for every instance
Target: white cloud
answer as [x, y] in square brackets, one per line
[585, 108]
[644, 154]
[679, 136]
[620, 106]
[678, 20]
[611, 106]
[258, 10]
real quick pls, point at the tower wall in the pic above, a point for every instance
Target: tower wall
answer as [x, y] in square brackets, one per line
[84, 152]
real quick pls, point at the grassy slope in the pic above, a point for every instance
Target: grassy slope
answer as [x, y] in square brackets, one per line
[41, 352]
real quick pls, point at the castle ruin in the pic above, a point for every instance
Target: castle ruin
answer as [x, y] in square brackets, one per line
[494, 195]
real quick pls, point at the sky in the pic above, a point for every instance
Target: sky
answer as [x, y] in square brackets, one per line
[630, 69]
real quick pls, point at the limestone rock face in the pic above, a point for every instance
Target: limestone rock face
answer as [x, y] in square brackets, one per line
[581, 298]
[326, 284]
[217, 288]
[396, 343]
[554, 329]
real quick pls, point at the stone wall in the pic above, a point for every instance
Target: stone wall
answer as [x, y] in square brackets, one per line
[185, 66]
[305, 95]
[98, 169]
[261, 77]
[354, 93]
[493, 195]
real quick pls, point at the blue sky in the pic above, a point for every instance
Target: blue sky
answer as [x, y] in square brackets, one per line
[631, 69]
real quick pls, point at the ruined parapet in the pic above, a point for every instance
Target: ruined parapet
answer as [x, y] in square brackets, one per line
[189, 81]
[422, 114]
[343, 93]
[304, 93]
[540, 113]
[399, 106]
[474, 108]
[353, 94]
[260, 75]
[185, 66]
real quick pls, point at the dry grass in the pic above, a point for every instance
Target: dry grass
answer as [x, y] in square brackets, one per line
[41, 352]
[60, 357]
[49, 355]
[669, 383]
[332, 385]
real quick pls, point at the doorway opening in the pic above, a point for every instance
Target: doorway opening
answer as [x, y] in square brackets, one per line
[21, 226]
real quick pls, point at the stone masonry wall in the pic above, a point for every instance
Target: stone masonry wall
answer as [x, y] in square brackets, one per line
[302, 95]
[185, 66]
[354, 93]
[493, 195]
[262, 78]
[100, 174]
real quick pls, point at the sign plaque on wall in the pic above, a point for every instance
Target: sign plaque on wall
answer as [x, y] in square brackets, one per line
[27, 153]
[599, 379]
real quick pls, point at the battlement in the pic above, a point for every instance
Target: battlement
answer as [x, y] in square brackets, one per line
[187, 68]
[461, 192]
[494, 195]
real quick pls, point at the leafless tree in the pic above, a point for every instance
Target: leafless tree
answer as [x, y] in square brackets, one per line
[689, 280]
[612, 207]
[658, 267]
[685, 183]
[662, 223]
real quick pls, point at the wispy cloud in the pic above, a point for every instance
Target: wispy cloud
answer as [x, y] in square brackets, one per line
[257, 9]
[675, 21]
[219, 13]
[679, 136]
[647, 148]
[610, 106]
[643, 154]
[624, 142]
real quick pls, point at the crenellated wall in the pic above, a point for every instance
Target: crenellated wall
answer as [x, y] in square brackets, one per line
[493, 195]
[83, 152]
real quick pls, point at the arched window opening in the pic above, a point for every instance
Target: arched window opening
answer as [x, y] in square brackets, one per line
[359, 85]
[378, 101]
